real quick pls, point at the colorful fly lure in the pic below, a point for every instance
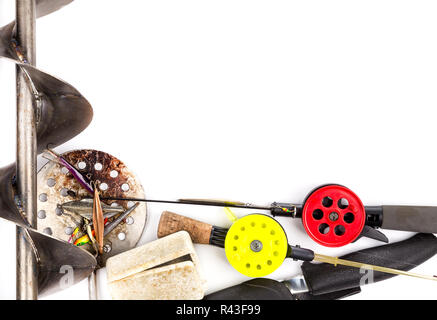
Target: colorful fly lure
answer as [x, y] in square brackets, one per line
[76, 174]
[85, 239]
[76, 230]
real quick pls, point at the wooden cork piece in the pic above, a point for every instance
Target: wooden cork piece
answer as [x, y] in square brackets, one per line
[200, 232]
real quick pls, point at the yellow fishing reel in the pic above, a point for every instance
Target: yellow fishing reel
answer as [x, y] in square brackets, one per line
[255, 245]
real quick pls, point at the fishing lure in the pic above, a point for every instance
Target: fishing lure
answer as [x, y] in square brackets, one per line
[84, 208]
[76, 174]
[85, 238]
[108, 226]
[98, 220]
[73, 234]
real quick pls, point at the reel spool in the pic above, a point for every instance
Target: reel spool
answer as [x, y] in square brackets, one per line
[333, 216]
[256, 245]
[113, 179]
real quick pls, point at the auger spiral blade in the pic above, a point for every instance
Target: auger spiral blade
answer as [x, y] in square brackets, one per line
[62, 113]
[45, 7]
[60, 264]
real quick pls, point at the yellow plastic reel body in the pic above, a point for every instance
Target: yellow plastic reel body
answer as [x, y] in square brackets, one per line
[256, 245]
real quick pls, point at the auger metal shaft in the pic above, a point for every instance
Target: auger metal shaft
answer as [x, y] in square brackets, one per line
[27, 282]
[92, 286]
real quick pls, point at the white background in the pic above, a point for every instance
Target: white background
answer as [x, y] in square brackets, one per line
[258, 101]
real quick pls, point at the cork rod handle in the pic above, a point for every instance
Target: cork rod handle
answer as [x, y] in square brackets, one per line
[170, 222]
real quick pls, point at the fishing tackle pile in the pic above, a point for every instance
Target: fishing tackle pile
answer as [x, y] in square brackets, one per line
[92, 211]
[96, 225]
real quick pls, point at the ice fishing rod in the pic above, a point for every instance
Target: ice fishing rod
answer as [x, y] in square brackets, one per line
[334, 216]
[256, 245]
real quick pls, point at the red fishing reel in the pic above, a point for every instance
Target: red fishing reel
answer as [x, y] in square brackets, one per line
[333, 215]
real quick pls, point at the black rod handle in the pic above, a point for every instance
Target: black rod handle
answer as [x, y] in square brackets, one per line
[324, 278]
[269, 289]
[255, 289]
[410, 218]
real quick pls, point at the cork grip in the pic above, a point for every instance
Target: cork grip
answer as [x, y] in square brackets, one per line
[170, 222]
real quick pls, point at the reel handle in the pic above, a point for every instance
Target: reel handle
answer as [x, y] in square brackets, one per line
[404, 255]
[170, 222]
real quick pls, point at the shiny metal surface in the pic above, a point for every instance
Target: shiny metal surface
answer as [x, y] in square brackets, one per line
[84, 208]
[60, 113]
[92, 286]
[297, 284]
[27, 284]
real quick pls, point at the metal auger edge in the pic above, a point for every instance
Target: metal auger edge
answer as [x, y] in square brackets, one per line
[61, 113]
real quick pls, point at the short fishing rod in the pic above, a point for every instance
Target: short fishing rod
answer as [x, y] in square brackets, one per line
[332, 215]
[256, 245]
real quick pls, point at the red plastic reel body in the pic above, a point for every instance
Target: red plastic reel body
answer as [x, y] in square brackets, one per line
[333, 216]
